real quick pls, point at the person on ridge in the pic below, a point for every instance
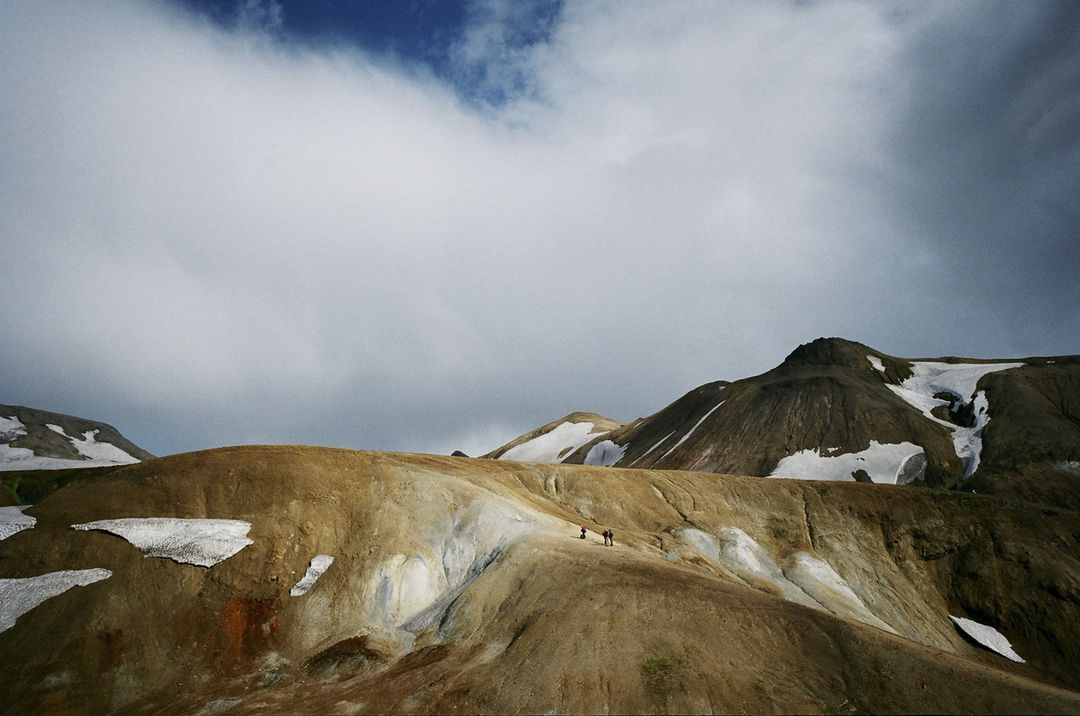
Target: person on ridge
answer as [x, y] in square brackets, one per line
[610, 541]
[583, 532]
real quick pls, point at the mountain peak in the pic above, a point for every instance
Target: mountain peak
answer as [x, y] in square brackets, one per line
[829, 351]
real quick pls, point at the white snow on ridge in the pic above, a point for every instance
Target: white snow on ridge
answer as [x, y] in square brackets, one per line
[13, 520]
[883, 463]
[319, 564]
[106, 453]
[988, 636]
[659, 442]
[876, 362]
[690, 432]
[203, 542]
[961, 379]
[96, 454]
[554, 445]
[605, 453]
[18, 596]
[11, 428]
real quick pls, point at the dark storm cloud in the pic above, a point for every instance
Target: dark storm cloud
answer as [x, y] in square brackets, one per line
[213, 234]
[988, 143]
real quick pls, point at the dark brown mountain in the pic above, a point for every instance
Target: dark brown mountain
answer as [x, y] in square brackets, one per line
[839, 410]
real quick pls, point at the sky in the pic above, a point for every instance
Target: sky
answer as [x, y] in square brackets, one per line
[428, 226]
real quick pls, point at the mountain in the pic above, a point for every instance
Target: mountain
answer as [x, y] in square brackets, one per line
[555, 441]
[38, 440]
[839, 410]
[299, 579]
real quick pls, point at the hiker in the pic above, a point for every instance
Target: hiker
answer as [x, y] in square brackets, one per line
[583, 532]
[605, 538]
[611, 538]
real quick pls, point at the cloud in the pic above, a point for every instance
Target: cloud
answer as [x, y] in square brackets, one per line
[240, 239]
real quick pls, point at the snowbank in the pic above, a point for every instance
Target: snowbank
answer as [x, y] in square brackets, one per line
[887, 463]
[605, 453]
[929, 378]
[13, 520]
[554, 445]
[988, 636]
[319, 564]
[18, 596]
[203, 542]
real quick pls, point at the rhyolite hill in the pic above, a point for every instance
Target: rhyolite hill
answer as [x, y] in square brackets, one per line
[301, 579]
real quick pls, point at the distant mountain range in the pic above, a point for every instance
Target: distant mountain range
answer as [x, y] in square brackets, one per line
[33, 439]
[840, 410]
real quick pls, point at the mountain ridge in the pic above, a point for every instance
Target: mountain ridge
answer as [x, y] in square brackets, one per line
[837, 409]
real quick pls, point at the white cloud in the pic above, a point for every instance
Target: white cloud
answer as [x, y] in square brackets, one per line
[251, 241]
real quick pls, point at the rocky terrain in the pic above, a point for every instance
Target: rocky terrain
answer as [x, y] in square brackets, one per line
[300, 579]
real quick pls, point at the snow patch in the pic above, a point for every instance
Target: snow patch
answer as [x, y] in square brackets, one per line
[605, 453]
[11, 428]
[876, 362]
[554, 445]
[202, 542]
[888, 463]
[929, 378]
[91, 449]
[18, 596]
[17, 458]
[319, 564]
[13, 520]
[988, 636]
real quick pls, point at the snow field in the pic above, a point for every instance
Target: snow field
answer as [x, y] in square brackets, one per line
[988, 636]
[961, 379]
[883, 463]
[554, 445]
[13, 520]
[202, 542]
[88, 446]
[18, 596]
[96, 454]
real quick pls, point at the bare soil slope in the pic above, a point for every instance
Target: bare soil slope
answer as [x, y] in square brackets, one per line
[460, 585]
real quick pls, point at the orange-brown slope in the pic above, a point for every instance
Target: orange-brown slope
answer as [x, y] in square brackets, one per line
[459, 585]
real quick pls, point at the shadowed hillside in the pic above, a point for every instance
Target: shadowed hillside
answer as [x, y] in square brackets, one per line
[460, 585]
